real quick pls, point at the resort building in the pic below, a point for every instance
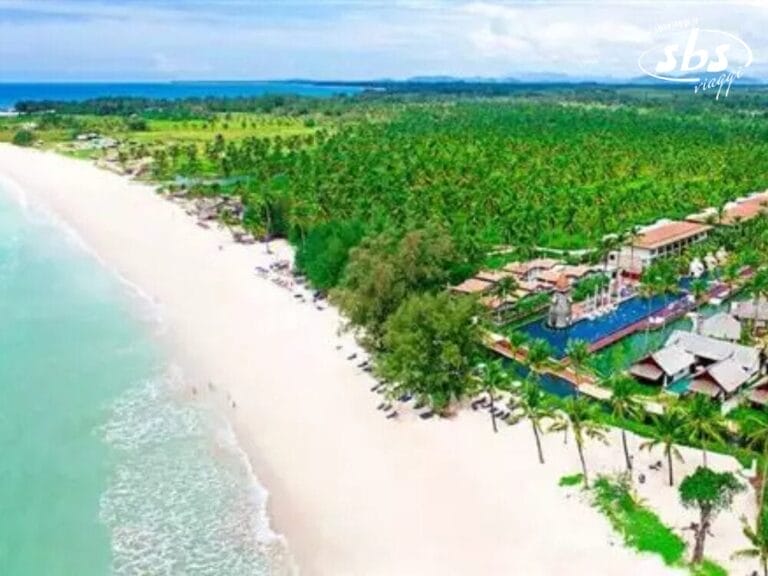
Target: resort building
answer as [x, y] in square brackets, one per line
[722, 326]
[664, 367]
[530, 270]
[665, 238]
[754, 313]
[758, 395]
[715, 367]
[740, 210]
[538, 277]
[473, 286]
[493, 276]
[722, 380]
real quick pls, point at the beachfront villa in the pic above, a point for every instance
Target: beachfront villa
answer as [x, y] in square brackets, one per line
[529, 271]
[662, 239]
[715, 368]
[722, 326]
[754, 313]
[740, 210]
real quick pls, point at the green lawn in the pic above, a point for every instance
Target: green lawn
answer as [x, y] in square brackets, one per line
[639, 526]
[572, 480]
[642, 529]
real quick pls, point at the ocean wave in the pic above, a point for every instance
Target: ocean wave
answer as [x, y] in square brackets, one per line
[182, 498]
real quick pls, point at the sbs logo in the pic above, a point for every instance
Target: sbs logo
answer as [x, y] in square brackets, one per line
[694, 56]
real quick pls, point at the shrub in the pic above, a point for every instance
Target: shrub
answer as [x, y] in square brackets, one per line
[640, 527]
[572, 480]
[324, 253]
[23, 138]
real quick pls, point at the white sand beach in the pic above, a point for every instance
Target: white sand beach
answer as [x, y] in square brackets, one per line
[353, 492]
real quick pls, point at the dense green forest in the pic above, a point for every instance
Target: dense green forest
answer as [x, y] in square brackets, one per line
[520, 165]
[391, 196]
[525, 173]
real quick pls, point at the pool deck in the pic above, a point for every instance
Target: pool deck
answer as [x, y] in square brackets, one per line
[586, 383]
[673, 312]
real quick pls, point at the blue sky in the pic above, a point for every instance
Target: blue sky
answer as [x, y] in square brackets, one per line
[348, 39]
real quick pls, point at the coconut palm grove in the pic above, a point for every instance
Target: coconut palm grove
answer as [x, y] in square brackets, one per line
[567, 258]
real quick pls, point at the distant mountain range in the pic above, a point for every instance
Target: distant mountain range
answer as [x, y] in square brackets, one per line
[554, 78]
[522, 78]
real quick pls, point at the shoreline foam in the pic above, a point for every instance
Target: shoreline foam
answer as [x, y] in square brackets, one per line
[171, 393]
[352, 493]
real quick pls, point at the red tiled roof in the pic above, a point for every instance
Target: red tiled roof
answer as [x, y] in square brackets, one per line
[496, 302]
[759, 396]
[669, 233]
[493, 275]
[740, 211]
[473, 286]
[576, 271]
[549, 276]
[706, 387]
[536, 264]
[515, 268]
[745, 210]
[646, 371]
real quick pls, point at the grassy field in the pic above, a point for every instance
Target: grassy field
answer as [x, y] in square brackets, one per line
[230, 126]
[642, 529]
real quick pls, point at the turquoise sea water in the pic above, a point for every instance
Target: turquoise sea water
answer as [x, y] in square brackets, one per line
[11, 93]
[106, 466]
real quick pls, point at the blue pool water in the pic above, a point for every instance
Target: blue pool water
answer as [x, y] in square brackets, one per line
[627, 313]
[680, 387]
[550, 384]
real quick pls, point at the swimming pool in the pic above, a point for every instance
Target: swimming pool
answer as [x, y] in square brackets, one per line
[628, 312]
[551, 384]
[681, 386]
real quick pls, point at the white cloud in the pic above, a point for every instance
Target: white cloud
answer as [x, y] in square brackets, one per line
[352, 39]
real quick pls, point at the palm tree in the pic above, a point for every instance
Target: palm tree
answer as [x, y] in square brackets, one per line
[668, 283]
[720, 212]
[756, 433]
[539, 354]
[581, 416]
[623, 406]
[579, 355]
[493, 377]
[529, 403]
[631, 237]
[608, 244]
[650, 287]
[504, 287]
[667, 428]
[703, 423]
[698, 288]
[758, 538]
[731, 272]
